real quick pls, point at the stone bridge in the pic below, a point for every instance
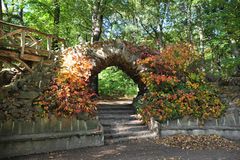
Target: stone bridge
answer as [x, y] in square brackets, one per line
[18, 130]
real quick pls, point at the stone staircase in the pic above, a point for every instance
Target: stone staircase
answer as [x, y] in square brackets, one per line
[121, 123]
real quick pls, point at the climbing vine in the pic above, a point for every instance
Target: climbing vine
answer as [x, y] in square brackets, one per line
[176, 86]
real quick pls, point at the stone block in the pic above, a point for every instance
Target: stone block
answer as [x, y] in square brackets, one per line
[92, 124]
[230, 120]
[65, 124]
[81, 125]
[42, 125]
[52, 142]
[54, 124]
[211, 123]
[173, 124]
[83, 116]
[28, 95]
[7, 127]
[198, 132]
[221, 121]
[17, 127]
[27, 127]
[184, 121]
[164, 124]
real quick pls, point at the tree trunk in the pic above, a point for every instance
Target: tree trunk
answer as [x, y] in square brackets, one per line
[235, 54]
[201, 46]
[1, 10]
[97, 20]
[189, 21]
[56, 21]
[21, 13]
[1, 29]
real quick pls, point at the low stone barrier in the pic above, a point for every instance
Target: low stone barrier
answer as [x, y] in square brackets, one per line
[46, 135]
[227, 126]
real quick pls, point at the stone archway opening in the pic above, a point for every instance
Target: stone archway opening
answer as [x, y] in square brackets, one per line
[128, 66]
[119, 54]
[114, 83]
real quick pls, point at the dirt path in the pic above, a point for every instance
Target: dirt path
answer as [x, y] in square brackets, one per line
[136, 150]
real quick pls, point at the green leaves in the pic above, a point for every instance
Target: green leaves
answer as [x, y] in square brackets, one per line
[113, 82]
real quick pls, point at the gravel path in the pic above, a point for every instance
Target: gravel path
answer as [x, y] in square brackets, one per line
[136, 150]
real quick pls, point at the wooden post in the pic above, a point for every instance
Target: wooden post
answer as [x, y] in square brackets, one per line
[49, 43]
[23, 35]
[63, 46]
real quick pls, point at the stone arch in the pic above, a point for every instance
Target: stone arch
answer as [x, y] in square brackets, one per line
[116, 53]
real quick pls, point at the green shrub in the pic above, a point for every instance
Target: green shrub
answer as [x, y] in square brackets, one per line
[113, 82]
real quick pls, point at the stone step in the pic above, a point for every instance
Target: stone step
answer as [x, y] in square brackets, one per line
[120, 123]
[118, 117]
[124, 129]
[123, 139]
[115, 107]
[116, 112]
[127, 134]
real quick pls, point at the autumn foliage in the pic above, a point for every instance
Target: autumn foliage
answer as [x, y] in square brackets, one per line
[69, 92]
[176, 87]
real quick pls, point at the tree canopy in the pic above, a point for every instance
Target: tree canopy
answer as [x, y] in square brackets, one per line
[212, 26]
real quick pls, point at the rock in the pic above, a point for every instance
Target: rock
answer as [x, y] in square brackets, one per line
[28, 95]
[6, 77]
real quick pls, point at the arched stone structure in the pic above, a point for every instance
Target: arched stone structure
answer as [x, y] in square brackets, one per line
[115, 53]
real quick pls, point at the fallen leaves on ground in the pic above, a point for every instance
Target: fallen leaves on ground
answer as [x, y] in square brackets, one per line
[198, 142]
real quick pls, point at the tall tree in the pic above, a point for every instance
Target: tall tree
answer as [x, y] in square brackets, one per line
[1, 29]
[56, 21]
[97, 20]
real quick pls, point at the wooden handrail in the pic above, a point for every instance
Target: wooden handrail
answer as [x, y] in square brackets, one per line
[32, 30]
[22, 44]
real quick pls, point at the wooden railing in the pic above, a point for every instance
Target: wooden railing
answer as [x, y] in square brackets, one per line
[26, 44]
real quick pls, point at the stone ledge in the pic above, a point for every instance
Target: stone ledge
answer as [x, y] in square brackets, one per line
[91, 134]
[44, 136]
[203, 128]
[230, 134]
[45, 125]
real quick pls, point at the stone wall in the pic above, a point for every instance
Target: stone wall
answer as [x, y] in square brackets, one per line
[227, 126]
[16, 98]
[46, 135]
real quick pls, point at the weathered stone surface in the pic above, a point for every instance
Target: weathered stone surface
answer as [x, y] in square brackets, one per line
[54, 124]
[28, 95]
[92, 124]
[6, 128]
[27, 127]
[32, 144]
[66, 124]
[81, 125]
[42, 125]
[83, 116]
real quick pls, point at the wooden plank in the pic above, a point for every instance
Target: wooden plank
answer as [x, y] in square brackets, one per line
[23, 34]
[8, 53]
[11, 33]
[40, 51]
[49, 43]
[24, 64]
[15, 54]
[33, 58]
[9, 61]
[32, 30]
[28, 50]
